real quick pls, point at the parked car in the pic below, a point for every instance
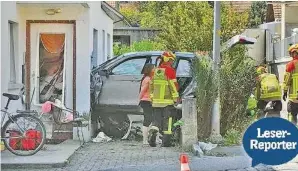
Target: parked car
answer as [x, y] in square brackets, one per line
[115, 85]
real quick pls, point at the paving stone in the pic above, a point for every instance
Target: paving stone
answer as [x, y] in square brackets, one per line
[132, 156]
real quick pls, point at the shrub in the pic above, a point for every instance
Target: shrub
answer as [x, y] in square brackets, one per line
[236, 84]
[144, 45]
[205, 92]
[232, 137]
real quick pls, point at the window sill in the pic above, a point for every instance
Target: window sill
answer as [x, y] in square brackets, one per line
[14, 86]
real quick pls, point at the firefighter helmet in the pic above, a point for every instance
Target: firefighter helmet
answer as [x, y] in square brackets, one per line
[293, 48]
[167, 56]
[261, 70]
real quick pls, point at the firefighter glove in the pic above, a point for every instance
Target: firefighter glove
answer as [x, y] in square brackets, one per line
[284, 97]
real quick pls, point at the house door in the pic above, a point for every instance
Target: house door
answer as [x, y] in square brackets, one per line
[51, 63]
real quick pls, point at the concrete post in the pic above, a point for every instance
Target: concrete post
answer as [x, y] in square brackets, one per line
[189, 131]
[215, 121]
[283, 29]
[283, 20]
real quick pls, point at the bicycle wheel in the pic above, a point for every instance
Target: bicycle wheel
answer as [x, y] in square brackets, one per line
[24, 139]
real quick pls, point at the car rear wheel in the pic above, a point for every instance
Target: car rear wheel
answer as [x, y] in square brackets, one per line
[114, 125]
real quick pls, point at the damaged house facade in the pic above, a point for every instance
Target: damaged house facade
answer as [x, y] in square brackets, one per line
[50, 49]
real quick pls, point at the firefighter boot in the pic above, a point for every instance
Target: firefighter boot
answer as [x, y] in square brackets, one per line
[145, 135]
[159, 138]
[152, 136]
[167, 134]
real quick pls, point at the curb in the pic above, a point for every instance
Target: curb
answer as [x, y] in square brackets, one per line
[35, 166]
[58, 164]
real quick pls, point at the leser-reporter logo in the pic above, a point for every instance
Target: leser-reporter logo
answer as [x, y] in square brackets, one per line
[271, 141]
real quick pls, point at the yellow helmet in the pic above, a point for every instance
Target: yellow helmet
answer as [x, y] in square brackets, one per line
[167, 55]
[293, 48]
[261, 70]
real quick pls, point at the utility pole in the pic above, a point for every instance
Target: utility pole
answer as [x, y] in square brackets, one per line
[215, 121]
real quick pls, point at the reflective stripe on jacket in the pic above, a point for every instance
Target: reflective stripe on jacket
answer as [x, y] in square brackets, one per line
[268, 87]
[290, 83]
[163, 87]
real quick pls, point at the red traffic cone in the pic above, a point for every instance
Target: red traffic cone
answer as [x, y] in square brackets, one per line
[184, 162]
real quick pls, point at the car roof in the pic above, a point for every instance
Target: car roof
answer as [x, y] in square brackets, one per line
[158, 53]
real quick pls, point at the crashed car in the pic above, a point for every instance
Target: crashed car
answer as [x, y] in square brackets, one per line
[115, 85]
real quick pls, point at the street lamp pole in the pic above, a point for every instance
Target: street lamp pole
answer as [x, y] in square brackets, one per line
[215, 121]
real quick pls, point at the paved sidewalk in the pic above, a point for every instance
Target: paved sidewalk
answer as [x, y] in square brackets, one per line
[292, 165]
[132, 156]
[53, 156]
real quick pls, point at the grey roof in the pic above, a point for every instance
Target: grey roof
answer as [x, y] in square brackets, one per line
[118, 16]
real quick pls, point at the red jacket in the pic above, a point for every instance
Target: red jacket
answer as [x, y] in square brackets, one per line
[291, 65]
[170, 73]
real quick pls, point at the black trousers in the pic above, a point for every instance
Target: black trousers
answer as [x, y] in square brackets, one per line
[148, 112]
[293, 109]
[161, 117]
[277, 107]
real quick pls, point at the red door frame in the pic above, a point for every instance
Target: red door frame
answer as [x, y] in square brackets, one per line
[28, 54]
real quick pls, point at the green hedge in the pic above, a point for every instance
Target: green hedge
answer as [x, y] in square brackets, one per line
[237, 75]
[237, 79]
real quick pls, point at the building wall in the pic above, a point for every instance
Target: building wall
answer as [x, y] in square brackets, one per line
[136, 34]
[86, 20]
[9, 13]
[291, 13]
[98, 17]
[290, 19]
[69, 12]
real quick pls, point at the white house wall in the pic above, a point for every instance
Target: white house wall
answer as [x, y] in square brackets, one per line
[100, 21]
[290, 14]
[69, 12]
[9, 13]
[86, 20]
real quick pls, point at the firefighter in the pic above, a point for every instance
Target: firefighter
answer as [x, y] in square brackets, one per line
[268, 90]
[290, 86]
[163, 94]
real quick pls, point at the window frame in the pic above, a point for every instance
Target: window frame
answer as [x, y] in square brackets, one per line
[109, 56]
[127, 59]
[190, 69]
[13, 50]
[104, 45]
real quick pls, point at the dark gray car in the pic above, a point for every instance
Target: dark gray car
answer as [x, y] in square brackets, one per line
[115, 87]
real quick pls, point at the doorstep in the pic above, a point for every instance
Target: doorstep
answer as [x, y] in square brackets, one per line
[52, 156]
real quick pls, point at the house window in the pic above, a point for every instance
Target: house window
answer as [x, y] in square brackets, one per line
[104, 44]
[109, 45]
[95, 49]
[12, 50]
